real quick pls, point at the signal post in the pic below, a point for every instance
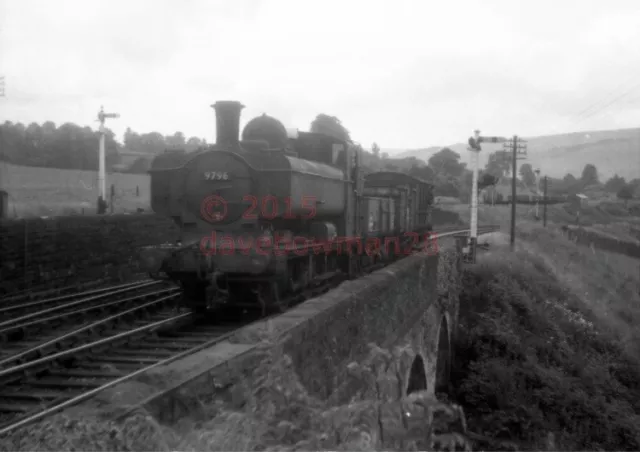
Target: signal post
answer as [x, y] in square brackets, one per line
[474, 147]
[102, 203]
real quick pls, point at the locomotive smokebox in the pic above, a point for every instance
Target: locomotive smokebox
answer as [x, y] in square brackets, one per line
[227, 122]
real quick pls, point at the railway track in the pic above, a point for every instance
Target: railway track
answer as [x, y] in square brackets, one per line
[34, 336]
[12, 311]
[24, 296]
[38, 381]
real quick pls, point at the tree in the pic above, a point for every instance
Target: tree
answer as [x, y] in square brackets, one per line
[625, 193]
[527, 174]
[446, 162]
[175, 141]
[487, 180]
[569, 178]
[375, 149]
[330, 125]
[422, 172]
[194, 143]
[589, 175]
[499, 164]
[70, 146]
[131, 140]
[614, 184]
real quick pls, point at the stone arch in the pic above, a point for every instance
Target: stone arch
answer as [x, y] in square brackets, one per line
[443, 360]
[417, 376]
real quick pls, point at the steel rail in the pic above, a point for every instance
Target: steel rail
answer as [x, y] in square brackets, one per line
[14, 298]
[89, 394]
[83, 329]
[72, 351]
[67, 305]
[39, 321]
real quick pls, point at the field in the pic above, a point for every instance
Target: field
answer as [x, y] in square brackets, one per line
[51, 191]
[597, 213]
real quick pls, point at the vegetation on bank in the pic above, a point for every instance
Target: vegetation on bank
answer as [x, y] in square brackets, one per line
[548, 346]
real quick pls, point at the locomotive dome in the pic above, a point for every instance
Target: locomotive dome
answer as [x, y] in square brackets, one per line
[266, 128]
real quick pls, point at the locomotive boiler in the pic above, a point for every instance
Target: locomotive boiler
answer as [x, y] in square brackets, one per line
[268, 214]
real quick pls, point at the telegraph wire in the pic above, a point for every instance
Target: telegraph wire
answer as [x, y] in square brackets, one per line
[604, 98]
[620, 97]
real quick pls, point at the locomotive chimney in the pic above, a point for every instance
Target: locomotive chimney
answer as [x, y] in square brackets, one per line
[227, 122]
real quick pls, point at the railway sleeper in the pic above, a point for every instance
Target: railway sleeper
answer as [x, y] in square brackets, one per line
[31, 393]
[86, 373]
[124, 359]
[55, 382]
[141, 353]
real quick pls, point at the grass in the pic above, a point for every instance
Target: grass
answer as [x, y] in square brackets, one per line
[597, 213]
[549, 345]
[51, 191]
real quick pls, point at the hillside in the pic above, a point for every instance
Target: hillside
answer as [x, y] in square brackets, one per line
[37, 191]
[547, 350]
[611, 151]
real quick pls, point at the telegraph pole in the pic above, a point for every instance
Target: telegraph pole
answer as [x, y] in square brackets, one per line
[4, 196]
[544, 207]
[518, 147]
[474, 147]
[537, 171]
[102, 203]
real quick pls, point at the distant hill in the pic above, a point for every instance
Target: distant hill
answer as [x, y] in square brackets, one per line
[611, 151]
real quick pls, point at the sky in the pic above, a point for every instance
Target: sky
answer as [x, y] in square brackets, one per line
[405, 74]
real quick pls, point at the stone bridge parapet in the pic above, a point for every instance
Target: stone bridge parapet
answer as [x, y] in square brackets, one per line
[373, 345]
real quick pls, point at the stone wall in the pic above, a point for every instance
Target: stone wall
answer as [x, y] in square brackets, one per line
[378, 308]
[325, 335]
[45, 253]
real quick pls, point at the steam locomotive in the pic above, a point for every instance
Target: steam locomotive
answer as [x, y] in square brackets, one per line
[252, 214]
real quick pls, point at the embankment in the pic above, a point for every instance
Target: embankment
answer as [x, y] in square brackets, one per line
[603, 241]
[45, 253]
[547, 350]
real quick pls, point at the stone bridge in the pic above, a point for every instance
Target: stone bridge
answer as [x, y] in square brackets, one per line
[379, 345]
[367, 357]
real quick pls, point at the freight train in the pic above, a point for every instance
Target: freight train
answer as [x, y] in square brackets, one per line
[269, 214]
